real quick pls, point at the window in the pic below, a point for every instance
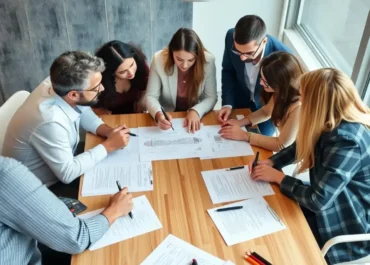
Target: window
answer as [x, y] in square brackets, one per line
[338, 33]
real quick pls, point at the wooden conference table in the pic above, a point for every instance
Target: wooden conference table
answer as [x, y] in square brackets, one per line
[180, 199]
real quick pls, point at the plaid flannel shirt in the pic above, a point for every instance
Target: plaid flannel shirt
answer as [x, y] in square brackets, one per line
[339, 193]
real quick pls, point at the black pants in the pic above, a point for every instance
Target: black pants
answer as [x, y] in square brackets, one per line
[52, 257]
[311, 220]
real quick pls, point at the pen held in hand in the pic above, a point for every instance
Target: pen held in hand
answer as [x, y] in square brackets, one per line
[119, 188]
[255, 160]
[166, 117]
[132, 134]
[229, 208]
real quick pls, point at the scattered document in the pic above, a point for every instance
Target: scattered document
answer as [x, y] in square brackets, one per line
[255, 219]
[144, 221]
[222, 147]
[136, 176]
[157, 144]
[226, 185]
[173, 250]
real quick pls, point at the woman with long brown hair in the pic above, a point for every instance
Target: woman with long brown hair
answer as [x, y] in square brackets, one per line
[279, 78]
[182, 78]
[333, 144]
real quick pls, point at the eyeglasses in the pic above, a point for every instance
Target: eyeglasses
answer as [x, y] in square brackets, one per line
[247, 55]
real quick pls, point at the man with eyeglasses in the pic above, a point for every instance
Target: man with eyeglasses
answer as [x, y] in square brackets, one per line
[245, 46]
[44, 133]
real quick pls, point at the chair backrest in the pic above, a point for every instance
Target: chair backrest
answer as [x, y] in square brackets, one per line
[7, 111]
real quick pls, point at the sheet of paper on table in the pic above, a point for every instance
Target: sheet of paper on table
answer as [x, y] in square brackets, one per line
[157, 144]
[222, 147]
[226, 185]
[255, 219]
[174, 250]
[144, 221]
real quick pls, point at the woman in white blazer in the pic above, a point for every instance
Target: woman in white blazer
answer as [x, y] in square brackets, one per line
[182, 78]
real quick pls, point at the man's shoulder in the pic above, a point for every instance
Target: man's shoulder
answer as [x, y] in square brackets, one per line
[274, 45]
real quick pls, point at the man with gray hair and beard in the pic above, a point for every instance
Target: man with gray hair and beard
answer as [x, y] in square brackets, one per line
[44, 133]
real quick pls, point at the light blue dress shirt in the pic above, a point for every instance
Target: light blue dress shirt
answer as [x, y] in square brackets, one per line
[43, 134]
[29, 212]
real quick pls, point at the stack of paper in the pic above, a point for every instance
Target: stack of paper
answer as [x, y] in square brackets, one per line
[144, 221]
[176, 251]
[225, 185]
[255, 219]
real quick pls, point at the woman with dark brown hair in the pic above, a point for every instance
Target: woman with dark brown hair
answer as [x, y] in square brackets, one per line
[280, 73]
[182, 78]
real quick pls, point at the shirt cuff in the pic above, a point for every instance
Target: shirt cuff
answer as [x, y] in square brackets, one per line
[97, 226]
[288, 184]
[227, 106]
[99, 152]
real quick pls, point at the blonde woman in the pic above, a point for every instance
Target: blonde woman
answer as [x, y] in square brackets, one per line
[333, 144]
[279, 78]
[182, 78]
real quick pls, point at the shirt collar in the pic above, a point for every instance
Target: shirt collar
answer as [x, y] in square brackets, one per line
[71, 113]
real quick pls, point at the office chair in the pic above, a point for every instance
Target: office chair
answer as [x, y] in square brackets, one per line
[7, 111]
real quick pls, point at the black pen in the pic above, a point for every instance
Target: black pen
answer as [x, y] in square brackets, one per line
[119, 188]
[132, 134]
[166, 116]
[235, 168]
[229, 208]
[194, 262]
[255, 160]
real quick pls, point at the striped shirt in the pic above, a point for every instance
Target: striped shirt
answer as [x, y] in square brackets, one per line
[29, 212]
[339, 194]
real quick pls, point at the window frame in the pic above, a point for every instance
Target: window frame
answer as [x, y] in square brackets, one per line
[361, 68]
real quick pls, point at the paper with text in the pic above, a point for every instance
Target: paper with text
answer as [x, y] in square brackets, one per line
[222, 147]
[144, 221]
[157, 144]
[255, 219]
[136, 176]
[231, 185]
[173, 250]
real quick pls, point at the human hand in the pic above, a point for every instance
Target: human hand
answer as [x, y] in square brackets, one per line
[267, 173]
[260, 162]
[223, 114]
[120, 204]
[117, 139]
[233, 132]
[162, 122]
[192, 121]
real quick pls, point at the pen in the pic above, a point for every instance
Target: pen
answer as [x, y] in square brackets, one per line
[129, 133]
[119, 188]
[234, 168]
[132, 134]
[166, 116]
[229, 208]
[255, 160]
[194, 262]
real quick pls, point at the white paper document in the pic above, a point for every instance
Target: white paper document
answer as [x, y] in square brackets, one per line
[157, 144]
[144, 221]
[222, 147]
[173, 251]
[136, 176]
[255, 219]
[225, 185]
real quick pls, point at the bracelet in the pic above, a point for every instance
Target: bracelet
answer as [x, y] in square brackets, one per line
[248, 134]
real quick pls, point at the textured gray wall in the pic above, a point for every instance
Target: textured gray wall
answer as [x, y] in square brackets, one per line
[34, 32]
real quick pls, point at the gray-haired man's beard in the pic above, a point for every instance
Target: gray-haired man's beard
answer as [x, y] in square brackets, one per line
[90, 103]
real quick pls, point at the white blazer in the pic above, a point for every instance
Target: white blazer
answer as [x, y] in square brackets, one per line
[162, 89]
